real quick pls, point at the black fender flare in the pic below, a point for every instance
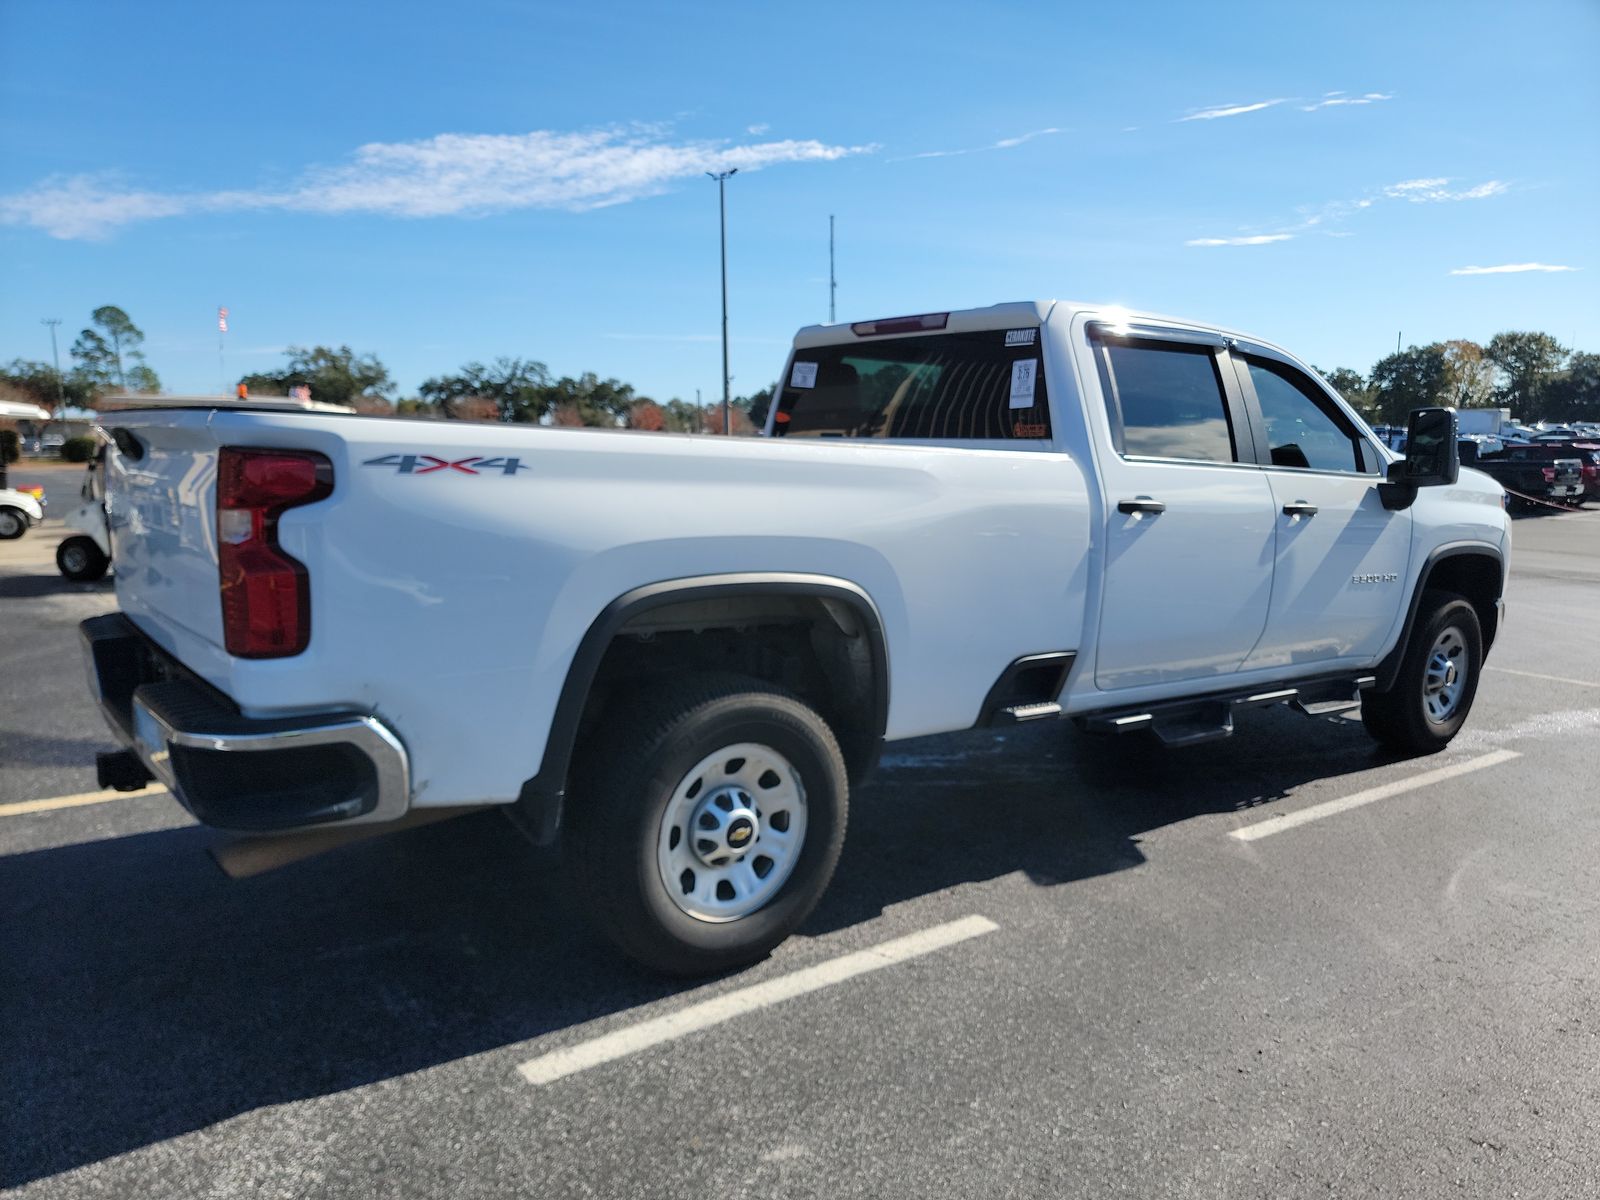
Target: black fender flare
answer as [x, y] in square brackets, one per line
[1390, 666]
[538, 808]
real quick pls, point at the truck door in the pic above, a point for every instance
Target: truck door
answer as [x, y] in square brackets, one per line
[1339, 581]
[1189, 513]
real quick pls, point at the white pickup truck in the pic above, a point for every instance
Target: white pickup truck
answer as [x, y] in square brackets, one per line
[678, 652]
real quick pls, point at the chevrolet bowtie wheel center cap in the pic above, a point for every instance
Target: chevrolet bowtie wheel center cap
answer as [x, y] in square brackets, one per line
[724, 827]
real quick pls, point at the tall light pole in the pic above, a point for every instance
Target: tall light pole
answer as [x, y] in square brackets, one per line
[833, 287]
[55, 357]
[722, 178]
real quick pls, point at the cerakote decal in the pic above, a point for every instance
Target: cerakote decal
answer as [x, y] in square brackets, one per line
[423, 464]
[1386, 577]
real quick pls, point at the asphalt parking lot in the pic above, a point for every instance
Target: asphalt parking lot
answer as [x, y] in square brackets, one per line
[1282, 965]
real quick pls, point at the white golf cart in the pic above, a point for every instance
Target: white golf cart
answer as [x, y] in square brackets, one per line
[86, 555]
[20, 508]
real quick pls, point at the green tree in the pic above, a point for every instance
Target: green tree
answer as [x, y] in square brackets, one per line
[108, 354]
[1470, 374]
[1351, 386]
[1529, 362]
[590, 400]
[756, 406]
[334, 376]
[1574, 395]
[35, 383]
[519, 388]
[1416, 377]
[683, 417]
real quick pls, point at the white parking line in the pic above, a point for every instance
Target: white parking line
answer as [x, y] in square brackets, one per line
[1551, 678]
[22, 807]
[547, 1068]
[1331, 808]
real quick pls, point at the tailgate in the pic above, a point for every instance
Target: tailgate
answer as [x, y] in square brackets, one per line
[160, 505]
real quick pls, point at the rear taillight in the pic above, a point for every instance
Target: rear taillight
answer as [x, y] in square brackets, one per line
[266, 595]
[1549, 474]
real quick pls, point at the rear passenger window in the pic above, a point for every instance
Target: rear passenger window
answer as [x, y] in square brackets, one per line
[1167, 402]
[1301, 432]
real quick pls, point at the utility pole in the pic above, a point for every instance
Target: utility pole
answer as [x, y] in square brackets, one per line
[699, 413]
[722, 178]
[832, 286]
[55, 357]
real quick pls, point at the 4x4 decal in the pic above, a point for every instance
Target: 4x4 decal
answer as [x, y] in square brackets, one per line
[422, 464]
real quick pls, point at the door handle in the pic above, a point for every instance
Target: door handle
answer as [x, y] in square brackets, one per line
[1300, 509]
[1141, 504]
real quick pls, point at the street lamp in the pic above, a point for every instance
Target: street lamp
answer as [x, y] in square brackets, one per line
[55, 356]
[722, 178]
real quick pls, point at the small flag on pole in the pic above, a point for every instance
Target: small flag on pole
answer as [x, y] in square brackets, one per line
[222, 320]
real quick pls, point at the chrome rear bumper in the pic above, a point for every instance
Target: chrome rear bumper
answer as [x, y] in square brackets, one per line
[237, 772]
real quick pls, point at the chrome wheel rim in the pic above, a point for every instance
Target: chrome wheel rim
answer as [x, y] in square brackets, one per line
[732, 832]
[1444, 679]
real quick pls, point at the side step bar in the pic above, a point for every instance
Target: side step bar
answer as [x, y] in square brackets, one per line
[1210, 718]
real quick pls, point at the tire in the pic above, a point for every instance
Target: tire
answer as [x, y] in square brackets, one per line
[13, 523]
[81, 560]
[700, 754]
[1438, 679]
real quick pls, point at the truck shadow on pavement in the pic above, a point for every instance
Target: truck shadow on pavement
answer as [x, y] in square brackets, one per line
[151, 997]
[31, 587]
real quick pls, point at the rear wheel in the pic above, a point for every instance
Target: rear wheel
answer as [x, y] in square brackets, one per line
[13, 523]
[1438, 679]
[705, 822]
[81, 560]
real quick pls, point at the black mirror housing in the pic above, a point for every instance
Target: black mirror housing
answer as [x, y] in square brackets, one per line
[1433, 456]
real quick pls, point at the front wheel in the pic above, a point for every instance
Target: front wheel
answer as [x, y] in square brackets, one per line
[81, 560]
[705, 822]
[13, 523]
[1437, 681]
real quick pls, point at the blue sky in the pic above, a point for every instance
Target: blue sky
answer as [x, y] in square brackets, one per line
[443, 183]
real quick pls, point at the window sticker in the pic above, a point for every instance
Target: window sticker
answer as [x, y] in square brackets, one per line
[804, 375]
[1024, 376]
[1021, 337]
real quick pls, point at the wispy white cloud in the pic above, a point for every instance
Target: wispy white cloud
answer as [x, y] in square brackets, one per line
[452, 174]
[1258, 239]
[757, 129]
[1321, 217]
[1510, 269]
[1434, 191]
[1334, 99]
[1230, 110]
[1002, 144]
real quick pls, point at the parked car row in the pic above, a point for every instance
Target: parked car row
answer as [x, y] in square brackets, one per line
[1544, 464]
[1562, 473]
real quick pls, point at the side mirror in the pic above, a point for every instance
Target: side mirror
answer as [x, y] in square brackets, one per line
[1433, 457]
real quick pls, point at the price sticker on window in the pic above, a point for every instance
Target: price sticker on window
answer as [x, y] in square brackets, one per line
[1024, 378]
[804, 375]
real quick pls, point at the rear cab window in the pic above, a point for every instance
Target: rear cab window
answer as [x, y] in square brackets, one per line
[979, 385]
